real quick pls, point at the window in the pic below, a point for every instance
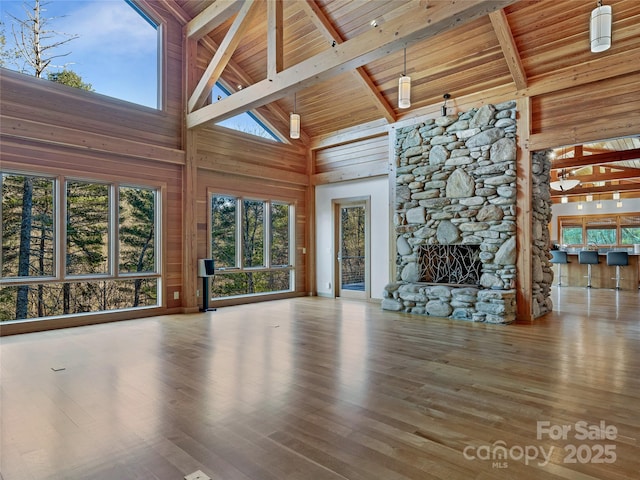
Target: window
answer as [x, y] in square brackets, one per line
[251, 246]
[571, 235]
[253, 233]
[223, 231]
[103, 257]
[601, 236]
[87, 228]
[245, 122]
[27, 226]
[630, 229]
[571, 231]
[116, 50]
[601, 230]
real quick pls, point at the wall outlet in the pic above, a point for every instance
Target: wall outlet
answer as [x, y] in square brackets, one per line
[176, 295]
[197, 293]
[197, 475]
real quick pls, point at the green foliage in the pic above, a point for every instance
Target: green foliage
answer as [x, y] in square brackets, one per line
[252, 235]
[601, 236]
[69, 78]
[572, 236]
[352, 245]
[27, 232]
[88, 248]
[630, 235]
[223, 230]
[87, 228]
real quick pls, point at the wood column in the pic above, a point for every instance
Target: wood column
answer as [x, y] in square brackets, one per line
[524, 211]
[190, 302]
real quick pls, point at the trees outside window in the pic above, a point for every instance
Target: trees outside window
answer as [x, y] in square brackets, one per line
[630, 235]
[251, 246]
[68, 42]
[103, 256]
[572, 235]
[601, 236]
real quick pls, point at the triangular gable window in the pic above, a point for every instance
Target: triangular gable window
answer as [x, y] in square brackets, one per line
[245, 122]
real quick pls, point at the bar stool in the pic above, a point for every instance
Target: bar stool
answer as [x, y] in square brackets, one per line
[559, 257]
[588, 257]
[617, 259]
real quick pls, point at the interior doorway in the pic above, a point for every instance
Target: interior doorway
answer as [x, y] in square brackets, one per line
[352, 262]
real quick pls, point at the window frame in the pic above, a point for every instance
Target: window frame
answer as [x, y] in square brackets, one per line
[599, 221]
[239, 241]
[113, 274]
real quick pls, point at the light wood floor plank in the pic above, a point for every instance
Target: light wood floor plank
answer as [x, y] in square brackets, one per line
[322, 389]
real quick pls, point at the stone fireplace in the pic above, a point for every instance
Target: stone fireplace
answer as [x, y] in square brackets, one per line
[455, 216]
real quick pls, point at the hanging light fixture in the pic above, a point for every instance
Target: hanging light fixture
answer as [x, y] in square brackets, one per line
[579, 205]
[443, 109]
[564, 199]
[599, 203]
[600, 30]
[404, 86]
[619, 204]
[563, 183]
[589, 198]
[616, 195]
[294, 121]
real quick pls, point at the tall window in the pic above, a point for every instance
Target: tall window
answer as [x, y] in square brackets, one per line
[251, 246]
[112, 46]
[98, 254]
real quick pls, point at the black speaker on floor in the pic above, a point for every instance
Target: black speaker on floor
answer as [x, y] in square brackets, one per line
[206, 269]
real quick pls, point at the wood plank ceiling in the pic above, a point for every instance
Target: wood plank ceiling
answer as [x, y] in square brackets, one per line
[508, 47]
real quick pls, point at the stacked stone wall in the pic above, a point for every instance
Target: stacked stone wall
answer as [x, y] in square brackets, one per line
[542, 274]
[456, 184]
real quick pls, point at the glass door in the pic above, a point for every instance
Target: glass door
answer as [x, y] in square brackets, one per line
[352, 247]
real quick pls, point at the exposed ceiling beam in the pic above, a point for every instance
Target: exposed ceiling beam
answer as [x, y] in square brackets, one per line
[274, 110]
[325, 26]
[275, 38]
[627, 174]
[597, 159]
[223, 55]
[394, 35]
[212, 17]
[509, 49]
[583, 190]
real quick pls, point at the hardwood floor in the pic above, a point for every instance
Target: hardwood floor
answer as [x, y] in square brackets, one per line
[314, 388]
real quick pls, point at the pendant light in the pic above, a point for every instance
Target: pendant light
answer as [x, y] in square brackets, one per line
[404, 86]
[294, 121]
[564, 183]
[600, 30]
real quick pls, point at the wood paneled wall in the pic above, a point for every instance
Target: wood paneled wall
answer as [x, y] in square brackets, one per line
[239, 164]
[357, 159]
[55, 129]
[586, 113]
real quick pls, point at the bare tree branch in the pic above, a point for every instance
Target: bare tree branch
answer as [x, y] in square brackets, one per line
[32, 38]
